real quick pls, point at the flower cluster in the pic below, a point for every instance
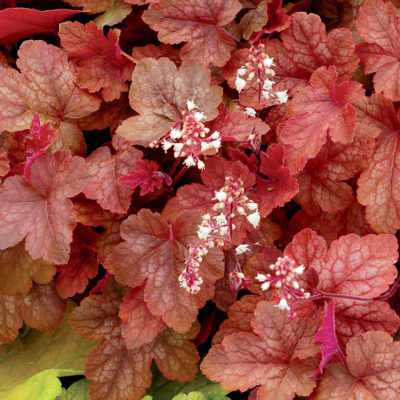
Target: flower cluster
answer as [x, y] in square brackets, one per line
[283, 278]
[216, 228]
[258, 68]
[190, 137]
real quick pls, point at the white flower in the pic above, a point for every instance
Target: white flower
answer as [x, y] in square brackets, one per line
[261, 277]
[205, 146]
[220, 196]
[250, 112]
[216, 144]
[283, 305]
[265, 286]
[175, 133]
[189, 162]
[166, 145]
[190, 105]
[199, 115]
[240, 84]
[268, 62]
[204, 231]
[178, 147]
[215, 135]
[252, 206]
[300, 269]
[221, 219]
[200, 164]
[223, 230]
[242, 248]
[241, 71]
[267, 85]
[295, 285]
[254, 219]
[282, 96]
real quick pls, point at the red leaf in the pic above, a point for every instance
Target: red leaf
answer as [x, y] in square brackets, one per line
[277, 357]
[40, 137]
[40, 210]
[374, 371]
[98, 59]
[378, 25]
[326, 335]
[19, 23]
[320, 109]
[152, 247]
[281, 187]
[82, 264]
[105, 169]
[147, 176]
[200, 24]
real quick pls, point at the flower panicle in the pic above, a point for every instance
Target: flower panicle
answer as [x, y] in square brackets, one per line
[259, 68]
[216, 229]
[190, 138]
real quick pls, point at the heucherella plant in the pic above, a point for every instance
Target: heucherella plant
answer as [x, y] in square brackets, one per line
[214, 184]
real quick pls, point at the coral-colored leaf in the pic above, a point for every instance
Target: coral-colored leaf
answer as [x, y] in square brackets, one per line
[240, 315]
[270, 357]
[105, 169]
[255, 19]
[378, 25]
[10, 317]
[280, 187]
[320, 109]
[139, 326]
[374, 371]
[377, 184]
[321, 182]
[147, 176]
[159, 93]
[355, 318]
[97, 316]
[40, 210]
[154, 248]
[4, 163]
[82, 264]
[115, 371]
[90, 6]
[305, 46]
[18, 23]
[18, 271]
[360, 266]
[98, 59]
[44, 85]
[198, 23]
[326, 335]
[42, 308]
[191, 198]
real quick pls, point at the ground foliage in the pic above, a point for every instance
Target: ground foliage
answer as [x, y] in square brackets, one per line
[215, 184]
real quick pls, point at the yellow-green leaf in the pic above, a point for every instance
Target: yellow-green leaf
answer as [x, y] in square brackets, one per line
[29, 367]
[114, 15]
[77, 391]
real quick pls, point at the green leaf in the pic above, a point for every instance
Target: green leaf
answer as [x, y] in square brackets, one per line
[114, 15]
[163, 389]
[77, 391]
[30, 367]
[190, 396]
